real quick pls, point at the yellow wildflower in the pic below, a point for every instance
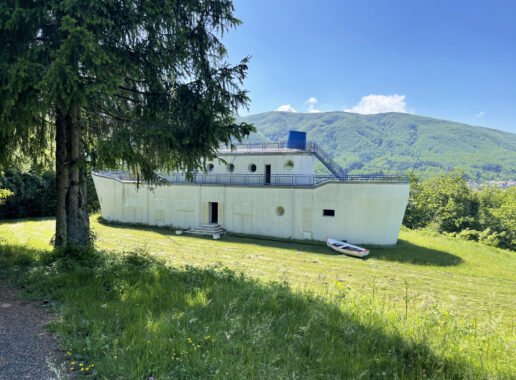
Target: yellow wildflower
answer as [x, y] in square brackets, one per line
[81, 364]
[72, 363]
[82, 369]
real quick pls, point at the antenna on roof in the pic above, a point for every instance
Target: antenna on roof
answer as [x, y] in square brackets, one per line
[417, 159]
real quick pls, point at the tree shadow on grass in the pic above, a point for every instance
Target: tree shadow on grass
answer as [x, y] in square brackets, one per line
[406, 252]
[23, 220]
[403, 252]
[135, 307]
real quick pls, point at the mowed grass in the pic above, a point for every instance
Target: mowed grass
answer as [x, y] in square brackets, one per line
[470, 278]
[432, 307]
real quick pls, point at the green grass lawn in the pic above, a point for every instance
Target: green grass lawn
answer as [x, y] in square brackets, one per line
[431, 307]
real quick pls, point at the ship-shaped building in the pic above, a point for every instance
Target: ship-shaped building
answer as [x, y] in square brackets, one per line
[266, 189]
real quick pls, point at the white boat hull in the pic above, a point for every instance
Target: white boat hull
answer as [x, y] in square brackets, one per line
[346, 248]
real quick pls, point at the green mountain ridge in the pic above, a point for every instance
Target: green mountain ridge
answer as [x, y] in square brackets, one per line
[390, 143]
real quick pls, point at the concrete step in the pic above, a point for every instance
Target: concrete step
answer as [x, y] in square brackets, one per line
[207, 229]
[202, 233]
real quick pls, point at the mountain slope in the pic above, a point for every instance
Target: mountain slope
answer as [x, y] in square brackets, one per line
[391, 142]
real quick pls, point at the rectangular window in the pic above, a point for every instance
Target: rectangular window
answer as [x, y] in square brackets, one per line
[328, 212]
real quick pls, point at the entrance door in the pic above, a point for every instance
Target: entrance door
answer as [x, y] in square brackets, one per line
[214, 217]
[267, 174]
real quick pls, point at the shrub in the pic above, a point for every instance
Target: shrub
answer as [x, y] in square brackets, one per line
[447, 205]
[446, 201]
[468, 234]
[497, 216]
[4, 193]
[34, 195]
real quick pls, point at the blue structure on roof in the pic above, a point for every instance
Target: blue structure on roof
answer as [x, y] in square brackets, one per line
[296, 140]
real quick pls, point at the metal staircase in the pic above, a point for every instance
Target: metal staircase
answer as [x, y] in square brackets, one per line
[326, 160]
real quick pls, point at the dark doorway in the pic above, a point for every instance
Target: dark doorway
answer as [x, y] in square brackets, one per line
[214, 212]
[267, 174]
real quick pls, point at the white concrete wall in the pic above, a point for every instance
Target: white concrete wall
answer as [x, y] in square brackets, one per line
[368, 213]
[303, 163]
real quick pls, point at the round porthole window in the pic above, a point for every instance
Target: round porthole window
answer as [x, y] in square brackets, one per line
[280, 211]
[231, 168]
[289, 164]
[252, 168]
[210, 167]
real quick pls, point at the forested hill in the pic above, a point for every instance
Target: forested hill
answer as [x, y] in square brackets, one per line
[391, 142]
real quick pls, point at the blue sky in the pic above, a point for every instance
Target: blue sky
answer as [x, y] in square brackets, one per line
[452, 60]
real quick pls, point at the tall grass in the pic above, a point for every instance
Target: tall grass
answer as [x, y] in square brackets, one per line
[132, 316]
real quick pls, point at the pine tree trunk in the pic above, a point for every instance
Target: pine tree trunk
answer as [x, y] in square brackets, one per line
[61, 179]
[72, 221]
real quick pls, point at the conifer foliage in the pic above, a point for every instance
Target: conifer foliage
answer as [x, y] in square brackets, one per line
[137, 84]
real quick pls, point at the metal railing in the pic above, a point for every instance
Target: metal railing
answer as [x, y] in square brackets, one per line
[265, 180]
[282, 147]
[244, 179]
[338, 173]
[262, 148]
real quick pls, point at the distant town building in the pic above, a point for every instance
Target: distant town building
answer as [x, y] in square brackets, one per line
[498, 184]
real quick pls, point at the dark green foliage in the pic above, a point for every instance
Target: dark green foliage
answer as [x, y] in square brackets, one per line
[391, 143]
[136, 84]
[149, 78]
[414, 217]
[448, 205]
[93, 200]
[34, 195]
[446, 202]
[497, 217]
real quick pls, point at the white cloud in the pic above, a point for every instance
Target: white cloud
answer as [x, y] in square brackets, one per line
[480, 114]
[312, 101]
[285, 108]
[372, 104]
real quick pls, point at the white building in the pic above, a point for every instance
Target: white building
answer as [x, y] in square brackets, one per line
[265, 189]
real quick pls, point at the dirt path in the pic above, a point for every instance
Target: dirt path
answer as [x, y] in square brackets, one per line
[27, 350]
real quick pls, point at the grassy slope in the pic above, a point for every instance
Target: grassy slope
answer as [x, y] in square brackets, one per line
[391, 142]
[465, 275]
[459, 296]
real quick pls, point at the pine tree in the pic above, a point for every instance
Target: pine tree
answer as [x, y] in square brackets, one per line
[141, 85]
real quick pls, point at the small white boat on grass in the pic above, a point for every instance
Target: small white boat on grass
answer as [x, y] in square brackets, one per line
[348, 249]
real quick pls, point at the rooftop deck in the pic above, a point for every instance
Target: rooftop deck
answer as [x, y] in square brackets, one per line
[281, 147]
[337, 173]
